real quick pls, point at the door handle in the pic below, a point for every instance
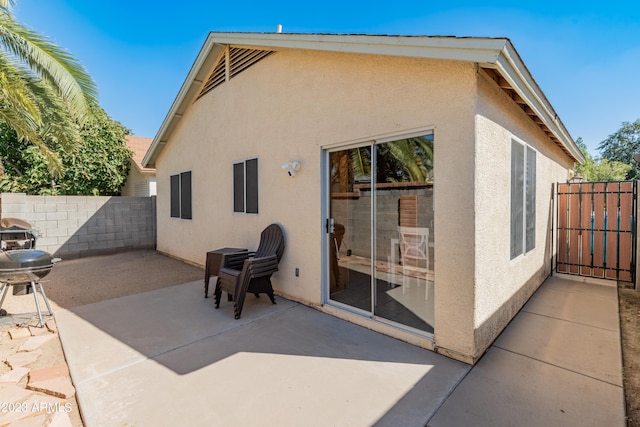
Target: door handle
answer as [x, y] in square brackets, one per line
[330, 226]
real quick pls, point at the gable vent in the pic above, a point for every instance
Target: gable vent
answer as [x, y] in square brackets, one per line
[239, 60]
[216, 78]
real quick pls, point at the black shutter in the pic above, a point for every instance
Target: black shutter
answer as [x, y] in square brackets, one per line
[175, 196]
[238, 187]
[185, 195]
[252, 186]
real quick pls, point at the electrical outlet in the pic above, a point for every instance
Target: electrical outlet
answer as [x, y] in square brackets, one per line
[297, 272]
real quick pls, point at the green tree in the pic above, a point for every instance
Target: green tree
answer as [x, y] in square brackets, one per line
[600, 170]
[44, 91]
[98, 165]
[622, 145]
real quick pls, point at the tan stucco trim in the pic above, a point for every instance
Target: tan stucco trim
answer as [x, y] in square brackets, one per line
[497, 53]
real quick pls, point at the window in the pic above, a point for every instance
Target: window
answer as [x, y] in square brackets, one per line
[523, 199]
[245, 186]
[181, 195]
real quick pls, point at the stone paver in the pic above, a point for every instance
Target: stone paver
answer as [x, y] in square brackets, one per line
[60, 419]
[33, 421]
[42, 402]
[12, 393]
[48, 373]
[14, 398]
[59, 387]
[23, 358]
[54, 381]
[35, 342]
[19, 333]
[14, 375]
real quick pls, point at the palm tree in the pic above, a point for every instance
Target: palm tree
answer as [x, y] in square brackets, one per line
[45, 94]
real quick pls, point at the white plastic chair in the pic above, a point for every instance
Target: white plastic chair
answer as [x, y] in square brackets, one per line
[414, 254]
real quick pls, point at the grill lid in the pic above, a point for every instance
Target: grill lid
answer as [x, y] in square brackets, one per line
[24, 258]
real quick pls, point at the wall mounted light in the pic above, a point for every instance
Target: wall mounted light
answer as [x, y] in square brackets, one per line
[291, 167]
[577, 178]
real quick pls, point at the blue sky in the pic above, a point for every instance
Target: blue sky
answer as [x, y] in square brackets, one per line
[584, 55]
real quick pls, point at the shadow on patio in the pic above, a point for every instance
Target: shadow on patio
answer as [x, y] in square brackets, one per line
[168, 357]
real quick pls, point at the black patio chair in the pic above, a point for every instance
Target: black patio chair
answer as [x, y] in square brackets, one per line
[250, 272]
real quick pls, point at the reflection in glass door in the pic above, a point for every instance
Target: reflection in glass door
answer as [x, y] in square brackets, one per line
[381, 230]
[350, 227]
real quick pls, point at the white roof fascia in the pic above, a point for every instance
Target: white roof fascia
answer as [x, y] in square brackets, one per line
[512, 69]
[192, 83]
[459, 49]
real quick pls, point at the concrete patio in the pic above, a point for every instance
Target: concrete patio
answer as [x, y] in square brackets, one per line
[167, 357]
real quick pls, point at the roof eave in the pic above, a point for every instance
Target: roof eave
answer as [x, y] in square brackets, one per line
[497, 53]
[512, 69]
[188, 90]
[452, 48]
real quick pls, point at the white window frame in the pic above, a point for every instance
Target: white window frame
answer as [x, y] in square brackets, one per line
[528, 239]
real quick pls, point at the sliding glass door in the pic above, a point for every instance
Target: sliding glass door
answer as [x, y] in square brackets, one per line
[380, 230]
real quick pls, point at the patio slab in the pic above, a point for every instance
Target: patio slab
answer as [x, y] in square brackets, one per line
[167, 357]
[127, 330]
[584, 303]
[590, 351]
[508, 389]
[558, 362]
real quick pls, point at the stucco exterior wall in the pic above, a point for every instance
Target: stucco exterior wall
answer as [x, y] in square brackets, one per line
[501, 285]
[139, 184]
[295, 103]
[288, 107]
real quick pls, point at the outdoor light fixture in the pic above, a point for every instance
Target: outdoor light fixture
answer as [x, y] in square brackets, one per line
[577, 178]
[291, 167]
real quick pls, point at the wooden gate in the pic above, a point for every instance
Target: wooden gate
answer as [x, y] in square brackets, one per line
[596, 229]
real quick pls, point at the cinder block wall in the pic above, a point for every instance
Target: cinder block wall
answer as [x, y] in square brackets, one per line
[79, 226]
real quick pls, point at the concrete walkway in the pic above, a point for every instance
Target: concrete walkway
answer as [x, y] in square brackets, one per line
[558, 363]
[167, 357]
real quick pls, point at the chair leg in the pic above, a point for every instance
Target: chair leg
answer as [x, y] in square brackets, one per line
[271, 296]
[217, 293]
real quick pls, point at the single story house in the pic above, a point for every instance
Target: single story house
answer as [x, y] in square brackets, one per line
[412, 176]
[141, 181]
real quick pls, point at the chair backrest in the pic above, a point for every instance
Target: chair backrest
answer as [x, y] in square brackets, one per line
[414, 243]
[271, 242]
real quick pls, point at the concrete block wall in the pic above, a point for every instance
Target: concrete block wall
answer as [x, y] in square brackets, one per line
[78, 226]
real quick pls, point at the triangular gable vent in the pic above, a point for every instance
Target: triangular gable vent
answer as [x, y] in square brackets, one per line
[239, 60]
[216, 78]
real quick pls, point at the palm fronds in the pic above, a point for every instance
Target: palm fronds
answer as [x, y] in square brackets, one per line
[51, 63]
[45, 94]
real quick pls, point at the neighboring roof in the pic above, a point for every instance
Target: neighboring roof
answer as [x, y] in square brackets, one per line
[496, 56]
[139, 145]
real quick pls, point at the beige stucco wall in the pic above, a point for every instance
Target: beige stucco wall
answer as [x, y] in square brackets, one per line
[138, 184]
[293, 104]
[288, 107]
[502, 286]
